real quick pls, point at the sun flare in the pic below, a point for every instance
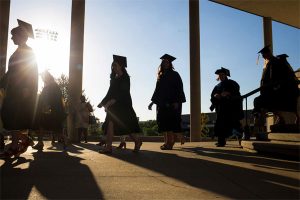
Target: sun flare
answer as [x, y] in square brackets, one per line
[52, 56]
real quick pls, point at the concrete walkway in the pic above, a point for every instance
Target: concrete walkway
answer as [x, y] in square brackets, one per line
[192, 171]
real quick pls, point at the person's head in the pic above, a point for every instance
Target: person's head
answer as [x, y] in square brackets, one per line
[266, 52]
[166, 64]
[118, 66]
[21, 33]
[166, 61]
[222, 73]
[47, 77]
[18, 36]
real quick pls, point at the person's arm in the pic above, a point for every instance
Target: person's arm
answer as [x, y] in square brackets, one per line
[150, 105]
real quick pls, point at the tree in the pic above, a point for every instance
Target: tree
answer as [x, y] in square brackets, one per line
[63, 83]
[204, 129]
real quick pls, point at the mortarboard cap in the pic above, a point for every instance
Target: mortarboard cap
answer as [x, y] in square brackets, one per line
[223, 70]
[168, 57]
[282, 56]
[121, 60]
[265, 49]
[26, 27]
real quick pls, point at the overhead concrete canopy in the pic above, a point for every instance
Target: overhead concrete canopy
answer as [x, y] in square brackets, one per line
[283, 11]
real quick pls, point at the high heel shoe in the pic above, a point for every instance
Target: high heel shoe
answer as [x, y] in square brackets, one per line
[101, 143]
[137, 146]
[122, 145]
[166, 147]
[182, 140]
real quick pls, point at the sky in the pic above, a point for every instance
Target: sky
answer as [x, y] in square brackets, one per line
[144, 30]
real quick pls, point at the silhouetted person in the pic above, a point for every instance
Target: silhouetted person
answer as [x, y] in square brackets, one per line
[20, 83]
[227, 102]
[279, 90]
[82, 118]
[168, 97]
[50, 113]
[120, 116]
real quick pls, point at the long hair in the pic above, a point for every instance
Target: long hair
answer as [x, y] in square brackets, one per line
[113, 74]
[162, 71]
[47, 77]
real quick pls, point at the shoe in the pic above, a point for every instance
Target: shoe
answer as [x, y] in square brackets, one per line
[101, 143]
[122, 145]
[166, 147]
[137, 146]
[220, 145]
[38, 146]
[105, 151]
[182, 140]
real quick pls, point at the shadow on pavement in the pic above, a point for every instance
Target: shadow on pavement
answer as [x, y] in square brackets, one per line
[237, 182]
[66, 179]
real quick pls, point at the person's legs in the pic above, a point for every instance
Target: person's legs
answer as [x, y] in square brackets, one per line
[221, 141]
[79, 132]
[109, 138]
[137, 142]
[40, 144]
[180, 137]
[169, 141]
[172, 139]
[84, 131]
[52, 139]
[122, 142]
[62, 138]
[2, 144]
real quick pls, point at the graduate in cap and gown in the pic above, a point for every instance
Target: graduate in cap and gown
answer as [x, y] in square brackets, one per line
[120, 118]
[279, 90]
[227, 102]
[168, 97]
[50, 112]
[20, 84]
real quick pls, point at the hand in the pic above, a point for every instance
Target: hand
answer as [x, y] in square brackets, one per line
[150, 106]
[217, 96]
[225, 94]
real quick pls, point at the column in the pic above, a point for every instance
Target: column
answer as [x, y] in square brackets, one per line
[267, 29]
[76, 63]
[4, 22]
[195, 91]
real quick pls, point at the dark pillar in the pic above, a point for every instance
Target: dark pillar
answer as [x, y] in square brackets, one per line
[76, 62]
[267, 29]
[4, 22]
[195, 109]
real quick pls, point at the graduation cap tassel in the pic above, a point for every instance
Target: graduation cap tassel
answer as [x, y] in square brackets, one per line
[257, 59]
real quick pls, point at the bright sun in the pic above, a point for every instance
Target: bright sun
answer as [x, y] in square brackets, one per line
[52, 56]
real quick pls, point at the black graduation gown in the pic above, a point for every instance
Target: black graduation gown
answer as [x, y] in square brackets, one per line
[229, 109]
[168, 90]
[279, 88]
[121, 113]
[18, 111]
[50, 114]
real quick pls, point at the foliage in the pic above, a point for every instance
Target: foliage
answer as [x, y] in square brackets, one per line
[204, 129]
[63, 83]
[149, 128]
